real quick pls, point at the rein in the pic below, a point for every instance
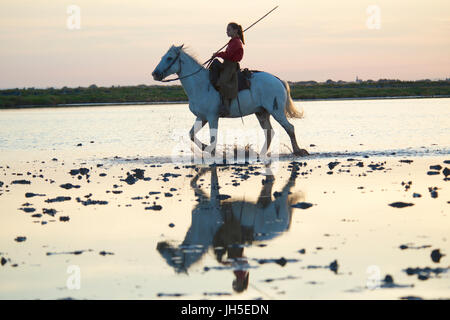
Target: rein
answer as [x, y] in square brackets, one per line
[183, 77]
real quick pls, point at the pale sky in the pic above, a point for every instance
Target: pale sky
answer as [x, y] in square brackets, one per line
[120, 42]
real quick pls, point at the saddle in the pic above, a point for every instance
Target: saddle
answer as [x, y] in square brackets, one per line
[244, 78]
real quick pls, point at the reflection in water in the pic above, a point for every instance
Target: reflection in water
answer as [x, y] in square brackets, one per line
[228, 226]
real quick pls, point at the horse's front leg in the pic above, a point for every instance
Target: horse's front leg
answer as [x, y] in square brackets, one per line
[198, 124]
[213, 124]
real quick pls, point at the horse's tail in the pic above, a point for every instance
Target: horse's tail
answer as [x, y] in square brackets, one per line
[290, 110]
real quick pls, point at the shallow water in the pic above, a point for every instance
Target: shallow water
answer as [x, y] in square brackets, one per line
[321, 228]
[379, 127]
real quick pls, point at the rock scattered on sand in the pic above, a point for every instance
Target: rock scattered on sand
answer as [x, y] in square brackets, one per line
[20, 239]
[408, 246]
[171, 225]
[302, 205]
[89, 202]
[50, 212]
[104, 253]
[21, 182]
[76, 252]
[433, 192]
[334, 266]
[58, 199]
[155, 207]
[3, 261]
[69, 186]
[331, 165]
[446, 172]
[436, 255]
[281, 261]
[31, 195]
[64, 219]
[401, 204]
[436, 167]
[425, 273]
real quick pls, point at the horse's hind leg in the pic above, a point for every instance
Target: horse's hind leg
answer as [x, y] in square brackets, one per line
[264, 121]
[282, 120]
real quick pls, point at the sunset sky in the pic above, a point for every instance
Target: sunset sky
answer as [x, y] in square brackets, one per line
[120, 42]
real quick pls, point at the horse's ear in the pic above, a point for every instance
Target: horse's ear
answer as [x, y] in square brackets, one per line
[181, 47]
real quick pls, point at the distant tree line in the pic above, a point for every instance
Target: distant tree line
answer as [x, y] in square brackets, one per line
[28, 97]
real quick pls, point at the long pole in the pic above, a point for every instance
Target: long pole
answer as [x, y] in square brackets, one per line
[246, 29]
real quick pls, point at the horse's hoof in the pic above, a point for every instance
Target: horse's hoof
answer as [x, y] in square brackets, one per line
[301, 153]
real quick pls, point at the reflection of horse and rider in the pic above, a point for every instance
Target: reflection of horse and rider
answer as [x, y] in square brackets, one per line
[228, 225]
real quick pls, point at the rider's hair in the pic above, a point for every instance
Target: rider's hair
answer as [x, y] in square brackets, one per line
[238, 27]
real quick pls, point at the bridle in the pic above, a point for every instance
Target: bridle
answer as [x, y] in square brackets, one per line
[173, 62]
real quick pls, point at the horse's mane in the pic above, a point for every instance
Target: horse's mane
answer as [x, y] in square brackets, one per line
[191, 55]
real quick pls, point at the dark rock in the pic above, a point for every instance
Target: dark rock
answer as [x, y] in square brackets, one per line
[64, 219]
[31, 195]
[156, 207]
[58, 199]
[74, 172]
[138, 173]
[302, 205]
[388, 279]
[21, 182]
[282, 261]
[302, 251]
[3, 261]
[171, 225]
[401, 204]
[446, 171]
[104, 253]
[130, 180]
[334, 266]
[50, 212]
[331, 165]
[20, 239]
[89, 202]
[436, 255]
[416, 195]
[432, 173]
[28, 210]
[69, 186]
[436, 167]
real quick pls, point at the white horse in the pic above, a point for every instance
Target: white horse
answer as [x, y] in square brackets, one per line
[268, 95]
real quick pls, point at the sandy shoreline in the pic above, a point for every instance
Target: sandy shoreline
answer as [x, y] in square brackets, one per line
[345, 228]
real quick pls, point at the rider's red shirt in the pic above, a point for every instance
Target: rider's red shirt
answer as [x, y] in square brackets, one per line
[234, 51]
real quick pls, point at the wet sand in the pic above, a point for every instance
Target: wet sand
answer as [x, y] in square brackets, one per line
[346, 227]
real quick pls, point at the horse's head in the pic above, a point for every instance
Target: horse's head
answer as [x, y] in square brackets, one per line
[170, 64]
